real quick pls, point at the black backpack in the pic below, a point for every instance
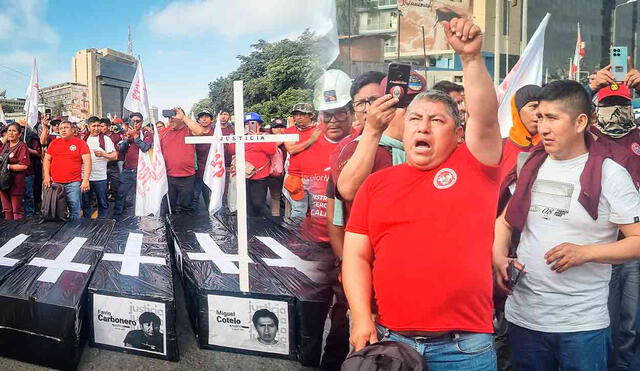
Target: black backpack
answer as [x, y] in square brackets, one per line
[54, 203]
[385, 356]
[5, 173]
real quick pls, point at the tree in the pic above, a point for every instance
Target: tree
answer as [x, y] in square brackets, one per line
[201, 105]
[276, 76]
[7, 108]
[58, 108]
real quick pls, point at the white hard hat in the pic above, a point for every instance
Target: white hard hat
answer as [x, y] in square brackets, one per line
[333, 90]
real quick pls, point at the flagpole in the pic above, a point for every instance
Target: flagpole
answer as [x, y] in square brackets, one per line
[577, 76]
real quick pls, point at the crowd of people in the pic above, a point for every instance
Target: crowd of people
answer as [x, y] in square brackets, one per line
[480, 252]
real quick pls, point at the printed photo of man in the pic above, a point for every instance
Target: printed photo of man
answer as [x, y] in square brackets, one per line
[266, 323]
[149, 336]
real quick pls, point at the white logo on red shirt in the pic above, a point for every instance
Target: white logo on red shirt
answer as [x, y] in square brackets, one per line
[72, 147]
[635, 147]
[11, 155]
[445, 178]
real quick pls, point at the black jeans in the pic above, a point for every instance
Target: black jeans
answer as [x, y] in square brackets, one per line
[180, 193]
[127, 185]
[113, 177]
[257, 198]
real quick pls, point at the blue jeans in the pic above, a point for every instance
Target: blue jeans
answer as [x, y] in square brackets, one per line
[545, 351]
[458, 351]
[199, 188]
[126, 186]
[72, 192]
[99, 188]
[27, 199]
[624, 293]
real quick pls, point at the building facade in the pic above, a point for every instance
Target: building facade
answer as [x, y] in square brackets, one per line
[14, 104]
[107, 74]
[71, 99]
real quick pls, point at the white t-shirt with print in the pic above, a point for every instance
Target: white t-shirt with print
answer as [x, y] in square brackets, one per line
[575, 300]
[99, 164]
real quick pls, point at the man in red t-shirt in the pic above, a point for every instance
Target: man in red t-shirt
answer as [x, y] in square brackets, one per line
[420, 234]
[309, 133]
[68, 162]
[135, 139]
[180, 160]
[205, 119]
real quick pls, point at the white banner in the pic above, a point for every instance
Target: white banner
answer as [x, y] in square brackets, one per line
[130, 323]
[32, 97]
[151, 177]
[214, 172]
[249, 324]
[527, 71]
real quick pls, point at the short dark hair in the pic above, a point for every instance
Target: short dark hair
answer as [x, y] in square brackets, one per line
[16, 125]
[261, 313]
[371, 77]
[573, 96]
[225, 110]
[447, 87]
[93, 119]
[147, 317]
[105, 121]
[134, 114]
[440, 97]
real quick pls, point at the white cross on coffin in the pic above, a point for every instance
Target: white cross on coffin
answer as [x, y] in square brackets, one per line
[62, 263]
[241, 197]
[8, 248]
[213, 253]
[317, 272]
[132, 258]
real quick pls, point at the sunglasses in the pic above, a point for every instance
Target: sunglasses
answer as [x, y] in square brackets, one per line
[136, 121]
[338, 116]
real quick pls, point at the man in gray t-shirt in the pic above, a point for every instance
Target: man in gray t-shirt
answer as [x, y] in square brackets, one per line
[557, 311]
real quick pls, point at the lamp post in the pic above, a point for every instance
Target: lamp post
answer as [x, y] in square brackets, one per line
[398, 14]
[613, 32]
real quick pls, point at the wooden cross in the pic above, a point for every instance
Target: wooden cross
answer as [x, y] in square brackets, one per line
[240, 139]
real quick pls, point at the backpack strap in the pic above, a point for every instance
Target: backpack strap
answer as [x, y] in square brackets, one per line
[101, 142]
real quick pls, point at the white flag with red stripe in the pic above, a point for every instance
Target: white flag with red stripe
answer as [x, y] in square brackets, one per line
[527, 71]
[214, 172]
[577, 57]
[32, 97]
[151, 177]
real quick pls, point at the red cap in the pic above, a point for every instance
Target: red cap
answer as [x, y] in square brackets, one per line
[118, 120]
[615, 90]
[417, 84]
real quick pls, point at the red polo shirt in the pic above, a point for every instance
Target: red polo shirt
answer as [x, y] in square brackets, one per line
[258, 154]
[431, 233]
[66, 159]
[179, 157]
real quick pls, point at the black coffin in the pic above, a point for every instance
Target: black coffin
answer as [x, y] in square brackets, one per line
[222, 316]
[43, 302]
[20, 239]
[121, 294]
[305, 268]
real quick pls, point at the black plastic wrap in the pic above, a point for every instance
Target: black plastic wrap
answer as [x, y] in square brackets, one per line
[209, 284]
[119, 295]
[305, 268]
[20, 239]
[43, 309]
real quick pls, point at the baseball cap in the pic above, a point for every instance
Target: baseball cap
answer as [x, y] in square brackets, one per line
[134, 114]
[615, 90]
[203, 113]
[302, 107]
[332, 91]
[252, 116]
[278, 123]
[293, 184]
[417, 84]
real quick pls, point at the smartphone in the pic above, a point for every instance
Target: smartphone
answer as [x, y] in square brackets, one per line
[168, 113]
[514, 274]
[253, 127]
[398, 82]
[619, 62]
